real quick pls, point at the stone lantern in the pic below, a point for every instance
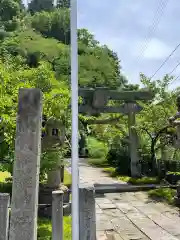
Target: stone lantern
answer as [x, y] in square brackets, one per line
[52, 140]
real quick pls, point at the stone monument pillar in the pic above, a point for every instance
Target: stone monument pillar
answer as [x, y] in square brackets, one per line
[23, 222]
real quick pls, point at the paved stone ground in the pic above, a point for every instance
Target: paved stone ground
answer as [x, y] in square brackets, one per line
[130, 216]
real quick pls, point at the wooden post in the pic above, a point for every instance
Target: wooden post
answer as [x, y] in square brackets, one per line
[23, 222]
[57, 215]
[135, 169]
[87, 213]
[4, 215]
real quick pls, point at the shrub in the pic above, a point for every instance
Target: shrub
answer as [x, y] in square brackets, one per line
[120, 159]
[96, 149]
[3, 34]
[98, 162]
[164, 194]
[173, 177]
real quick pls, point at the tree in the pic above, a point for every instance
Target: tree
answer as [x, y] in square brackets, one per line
[40, 5]
[96, 66]
[56, 99]
[63, 4]
[130, 87]
[152, 121]
[37, 54]
[87, 38]
[114, 56]
[54, 24]
[9, 9]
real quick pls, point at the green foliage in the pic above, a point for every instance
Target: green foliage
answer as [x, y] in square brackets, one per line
[151, 124]
[96, 66]
[86, 38]
[134, 181]
[3, 34]
[28, 42]
[51, 159]
[112, 172]
[5, 185]
[63, 4]
[9, 9]
[45, 229]
[174, 173]
[98, 162]
[56, 98]
[40, 5]
[11, 25]
[156, 112]
[54, 24]
[173, 177]
[164, 194]
[96, 149]
[143, 180]
[119, 156]
[4, 176]
[35, 52]
[67, 178]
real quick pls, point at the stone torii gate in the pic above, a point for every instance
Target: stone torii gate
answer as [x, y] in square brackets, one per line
[95, 102]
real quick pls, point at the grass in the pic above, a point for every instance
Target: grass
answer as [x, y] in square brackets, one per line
[3, 176]
[44, 225]
[144, 180]
[45, 229]
[5, 186]
[134, 181]
[6, 175]
[165, 195]
[67, 178]
[98, 162]
[96, 149]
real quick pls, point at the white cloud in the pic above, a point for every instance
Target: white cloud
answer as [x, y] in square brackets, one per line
[125, 25]
[157, 50]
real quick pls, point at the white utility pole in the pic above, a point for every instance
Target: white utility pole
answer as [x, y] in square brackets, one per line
[74, 108]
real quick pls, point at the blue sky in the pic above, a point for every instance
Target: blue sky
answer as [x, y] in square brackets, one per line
[124, 26]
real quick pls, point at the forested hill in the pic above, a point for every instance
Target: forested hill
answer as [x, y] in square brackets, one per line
[35, 52]
[41, 33]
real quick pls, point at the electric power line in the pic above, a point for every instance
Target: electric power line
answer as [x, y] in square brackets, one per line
[174, 68]
[174, 80]
[157, 17]
[165, 61]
